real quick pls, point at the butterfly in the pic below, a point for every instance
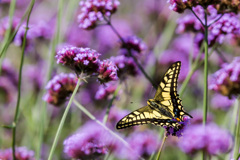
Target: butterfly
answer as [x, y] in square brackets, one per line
[165, 109]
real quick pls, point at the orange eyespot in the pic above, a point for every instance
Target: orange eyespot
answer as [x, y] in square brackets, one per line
[178, 119]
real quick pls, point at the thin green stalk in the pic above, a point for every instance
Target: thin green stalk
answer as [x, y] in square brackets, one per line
[237, 135]
[84, 110]
[160, 150]
[205, 95]
[10, 15]
[14, 124]
[63, 120]
[105, 118]
[43, 112]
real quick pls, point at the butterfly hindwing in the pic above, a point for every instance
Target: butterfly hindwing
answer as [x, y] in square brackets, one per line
[144, 115]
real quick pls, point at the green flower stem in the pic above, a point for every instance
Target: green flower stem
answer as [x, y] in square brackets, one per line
[43, 113]
[237, 134]
[109, 105]
[205, 95]
[84, 110]
[160, 150]
[8, 32]
[16, 115]
[63, 120]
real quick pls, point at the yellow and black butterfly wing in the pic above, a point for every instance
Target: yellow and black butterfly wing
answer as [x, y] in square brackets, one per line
[166, 94]
[144, 115]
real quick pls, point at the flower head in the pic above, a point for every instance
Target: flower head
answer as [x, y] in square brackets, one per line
[134, 43]
[107, 71]
[22, 153]
[227, 80]
[93, 11]
[178, 130]
[209, 138]
[226, 6]
[79, 59]
[225, 103]
[59, 88]
[105, 91]
[126, 66]
[90, 142]
[143, 144]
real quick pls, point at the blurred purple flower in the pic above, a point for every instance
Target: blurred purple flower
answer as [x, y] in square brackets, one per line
[79, 59]
[4, 25]
[107, 71]
[114, 115]
[59, 88]
[126, 66]
[143, 144]
[43, 30]
[209, 138]
[134, 43]
[227, 80]
[198, 117]
[9, 71]
[95, 10]
[31, 34]
[106, 91]
[22, 153]
[221, 102]
[90, 142]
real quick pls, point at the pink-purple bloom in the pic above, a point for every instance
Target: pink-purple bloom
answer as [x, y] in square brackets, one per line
[221, 102]
[107, 71]
[21, 153]
[81, 60]
[209, 138]
[227, 79]
[106, 91]
[90, 142]
[143, 144]
[126, 66]
[93, 11]
[59, 88]
[134, 43]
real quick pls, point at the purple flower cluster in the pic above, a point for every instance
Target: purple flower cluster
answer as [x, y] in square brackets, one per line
[134, 43]
[143, 145]
[90, 142]
[227, 80]
[209, 138]
[105, 91]
[198, 117]
[85, 60]
[126, 66]
[59, 88]
[177, 131]
[4, 25]
[21, 153]
[93, 11]
[225, 103]
[228, 25]
[107, 71]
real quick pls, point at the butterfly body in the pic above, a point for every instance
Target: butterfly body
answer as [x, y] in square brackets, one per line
[165, 109]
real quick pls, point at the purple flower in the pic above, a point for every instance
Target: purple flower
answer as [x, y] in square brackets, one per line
[21, 153]
[4, 25]
[90, 142]
[93, 11]
[143, 144]
[178, 130]
[107, 71]
[221, 102]
[59, 88]
[126, 66]
[198, 117]
[134, 43]
[43, 30]
[209, 138]
[105, 91]
[227, 80]
[79, 59]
